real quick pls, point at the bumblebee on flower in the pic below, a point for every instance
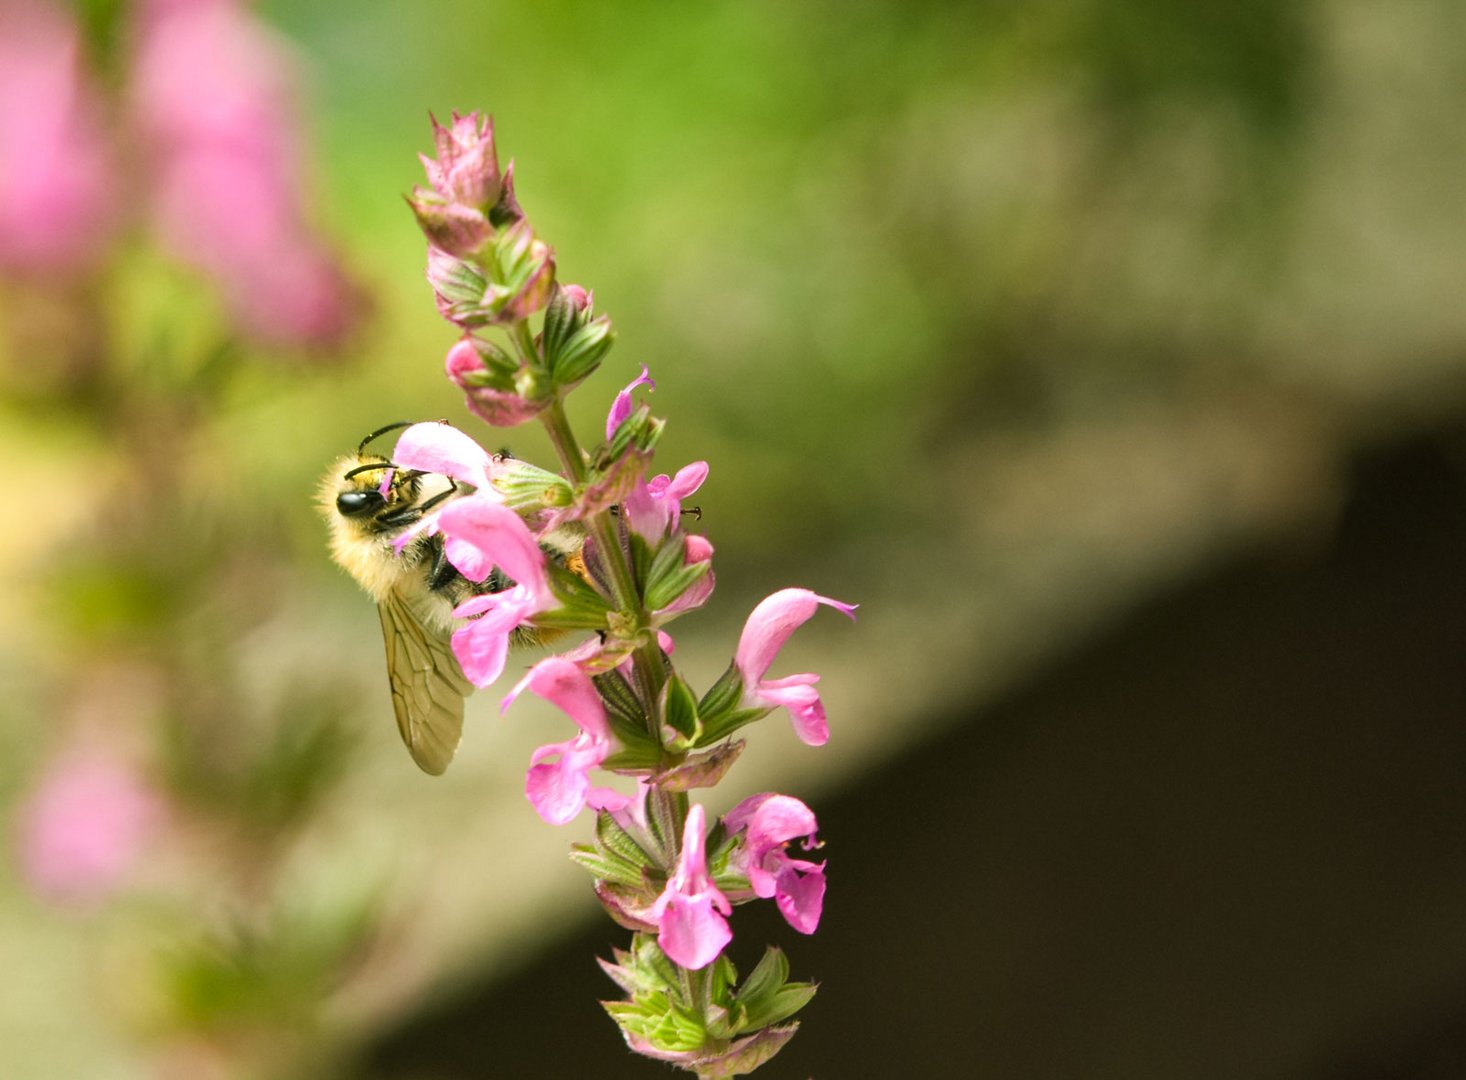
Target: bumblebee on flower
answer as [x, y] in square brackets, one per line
[595, 559]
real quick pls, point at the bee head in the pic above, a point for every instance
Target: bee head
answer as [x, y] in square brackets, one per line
[370, 485]
[360, 503]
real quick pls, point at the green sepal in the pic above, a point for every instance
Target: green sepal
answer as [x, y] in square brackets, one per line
[529, 487]
[606, 868]
[561, 317]
[499, 366]
[618, 697]
[723, 696]
[463, 287]
[679, 708]
[729, 723]
[641, 556]
[581, 606]
[640, 430]
[784, 1003]
[639, 752]
[612, 839]
[623, 972]
[611, 481]
[664, 820]
[665, 1024]
[766, 998]
[583, 352]
[662, 590]
[649, 954]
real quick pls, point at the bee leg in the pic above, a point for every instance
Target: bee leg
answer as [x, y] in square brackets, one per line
[442, 573]
[412, 514]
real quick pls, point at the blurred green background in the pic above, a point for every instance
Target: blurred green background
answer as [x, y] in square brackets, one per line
[999, 319]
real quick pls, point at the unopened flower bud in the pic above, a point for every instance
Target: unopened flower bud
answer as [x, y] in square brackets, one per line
[451, 227]
[467, 169]
[526, 267]
[495, 389]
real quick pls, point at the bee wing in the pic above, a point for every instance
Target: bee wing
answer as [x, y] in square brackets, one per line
[428, 686]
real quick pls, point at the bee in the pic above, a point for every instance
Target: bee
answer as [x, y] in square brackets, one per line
[370, 504]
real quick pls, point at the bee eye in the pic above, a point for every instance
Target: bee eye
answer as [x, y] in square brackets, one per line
[357, 503]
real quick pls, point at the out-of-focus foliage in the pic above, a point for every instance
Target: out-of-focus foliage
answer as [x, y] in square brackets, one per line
[989, 316]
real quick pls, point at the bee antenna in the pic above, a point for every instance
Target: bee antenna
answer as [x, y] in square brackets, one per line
[382, 431]
[695, 511]
[371, 466]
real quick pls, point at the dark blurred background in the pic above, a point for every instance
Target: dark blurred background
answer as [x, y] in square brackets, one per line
[1112, 356]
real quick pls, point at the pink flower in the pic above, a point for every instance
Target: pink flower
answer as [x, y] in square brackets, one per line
[85, 827]
[57, 179]
[558, 782]
[213, 97]
[500, 406]
[621, 407]
[653, 507]
[690, 911]
[797, 886]
[768, 627]
[696, 549]
[480, 534]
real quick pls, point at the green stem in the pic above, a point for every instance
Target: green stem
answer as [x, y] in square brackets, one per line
[557, 426]
[603, 531]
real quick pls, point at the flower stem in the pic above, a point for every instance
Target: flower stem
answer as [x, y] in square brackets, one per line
[557, 426]
[613, 556]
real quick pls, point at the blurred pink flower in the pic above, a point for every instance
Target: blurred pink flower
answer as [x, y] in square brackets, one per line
[85, 826]
[213, 98]
[56, 170]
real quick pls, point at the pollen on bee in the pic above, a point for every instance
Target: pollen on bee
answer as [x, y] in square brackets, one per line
[575, 563]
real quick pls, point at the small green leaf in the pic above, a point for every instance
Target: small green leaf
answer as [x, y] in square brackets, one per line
[679, 707]
[789, 999]
[722, 697]
[613, 839]
[721, 727]
[583, 352]
[607, 869]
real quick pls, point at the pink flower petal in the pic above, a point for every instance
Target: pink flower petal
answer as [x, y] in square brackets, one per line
[565, 685]
[557, 790]
[692, 933]
[690, 910]
[621, 407]
[482, 646]
[446, 451]
[688, 479]
[797, 694]
[770, 624]
[501, 537]
[800, 895]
